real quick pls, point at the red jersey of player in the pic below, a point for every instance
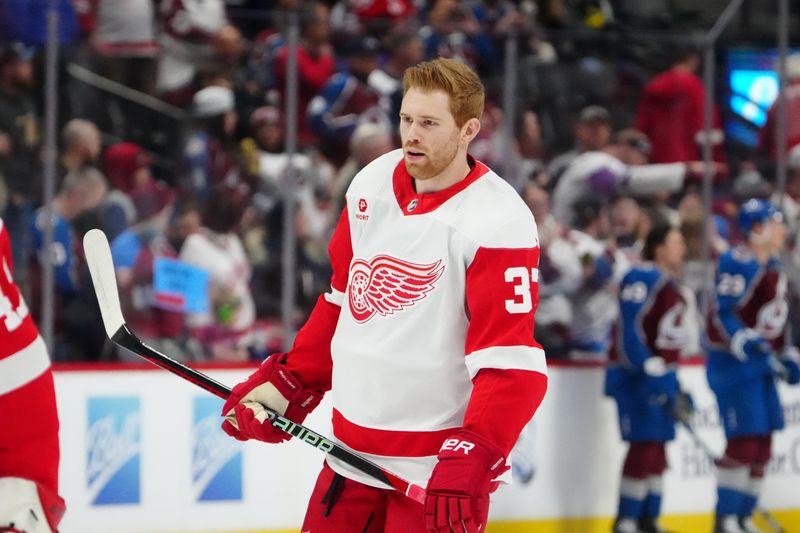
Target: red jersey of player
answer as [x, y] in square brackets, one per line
[29, 449]
[425, 340]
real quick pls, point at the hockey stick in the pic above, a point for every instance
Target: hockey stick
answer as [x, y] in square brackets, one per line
[718, 461]
[101, 268]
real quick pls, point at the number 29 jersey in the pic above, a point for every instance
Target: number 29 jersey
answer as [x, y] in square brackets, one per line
[433, 289]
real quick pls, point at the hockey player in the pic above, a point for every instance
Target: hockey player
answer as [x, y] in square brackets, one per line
[426, 337]
[747, 352]
[29, 501]
[642, 375]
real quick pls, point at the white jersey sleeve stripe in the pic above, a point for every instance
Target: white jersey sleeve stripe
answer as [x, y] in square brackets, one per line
[335, 297]
[507, 358]
[24, 366]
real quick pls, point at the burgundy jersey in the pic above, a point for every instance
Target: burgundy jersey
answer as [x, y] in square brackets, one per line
[652, 319]
[749, 296]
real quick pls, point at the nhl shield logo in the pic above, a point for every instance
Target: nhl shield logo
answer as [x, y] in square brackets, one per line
[386, 285]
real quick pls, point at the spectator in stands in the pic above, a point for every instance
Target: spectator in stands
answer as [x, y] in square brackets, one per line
[125, 41]
[790, 202]
[537, 199]
[209, 154]
[316, 63]
[369, 140]
[347, 100]
[629, 226]
[693, 222]
[588, 255]
[227, 329]
[525, 160]
[671, 112]
[454, 31]
[404, 49]
[554, 313]
[767, 141]
[123, 38]
[19, 149]
[80, 146]
[592, 132]
[263, 234]
[127, 168]
[135, 251]
[377, 17]
[196, 37]
[620, 168]
[82, 190]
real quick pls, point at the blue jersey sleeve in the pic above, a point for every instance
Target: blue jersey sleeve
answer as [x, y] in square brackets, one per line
[60, 254]
[322, 115]
[636, 293]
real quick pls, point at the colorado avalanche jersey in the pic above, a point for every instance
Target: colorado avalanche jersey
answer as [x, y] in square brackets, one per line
[428, 290]
[652, 324]
[652, 312]
[751, 299]
[27, 450]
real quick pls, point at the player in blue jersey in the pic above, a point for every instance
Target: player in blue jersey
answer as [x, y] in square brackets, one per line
[747, 354]
[641, 377]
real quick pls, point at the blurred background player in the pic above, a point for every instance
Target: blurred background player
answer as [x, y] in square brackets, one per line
[29, 451]
[746, 332]
[643, 378]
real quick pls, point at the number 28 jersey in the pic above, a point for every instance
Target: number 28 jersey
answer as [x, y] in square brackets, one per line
[433, 289]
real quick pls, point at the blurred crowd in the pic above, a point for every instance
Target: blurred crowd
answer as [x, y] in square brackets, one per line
[599, 157]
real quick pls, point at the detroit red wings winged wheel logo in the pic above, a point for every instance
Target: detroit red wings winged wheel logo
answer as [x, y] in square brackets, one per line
[386, 285]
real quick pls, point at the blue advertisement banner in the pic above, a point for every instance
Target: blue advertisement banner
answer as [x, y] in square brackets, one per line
[216, 458]
[113, 450]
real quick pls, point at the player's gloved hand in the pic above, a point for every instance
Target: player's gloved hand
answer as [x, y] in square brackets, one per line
[273, 386]
[660, 382]
[682, 407]
[460, 481]
[747, 344]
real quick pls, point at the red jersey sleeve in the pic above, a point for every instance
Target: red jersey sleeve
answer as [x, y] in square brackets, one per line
[507, 364]
[17, 330]
[310, 357]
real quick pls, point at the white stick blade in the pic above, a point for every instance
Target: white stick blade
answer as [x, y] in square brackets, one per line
[101, 268]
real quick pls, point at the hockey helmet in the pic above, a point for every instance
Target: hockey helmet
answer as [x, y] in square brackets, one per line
[757, 211]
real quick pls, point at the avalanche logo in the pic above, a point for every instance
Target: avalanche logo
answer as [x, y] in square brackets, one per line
[216, 458]
[113, 449]
[386, 285]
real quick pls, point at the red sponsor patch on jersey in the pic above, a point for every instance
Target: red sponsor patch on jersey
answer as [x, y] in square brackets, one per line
[386, 285]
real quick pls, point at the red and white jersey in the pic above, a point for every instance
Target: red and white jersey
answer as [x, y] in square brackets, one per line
[21, 360]
[28, 445]
[433, 289]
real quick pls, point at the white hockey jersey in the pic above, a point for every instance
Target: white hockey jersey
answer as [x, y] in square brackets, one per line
[433, 289]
